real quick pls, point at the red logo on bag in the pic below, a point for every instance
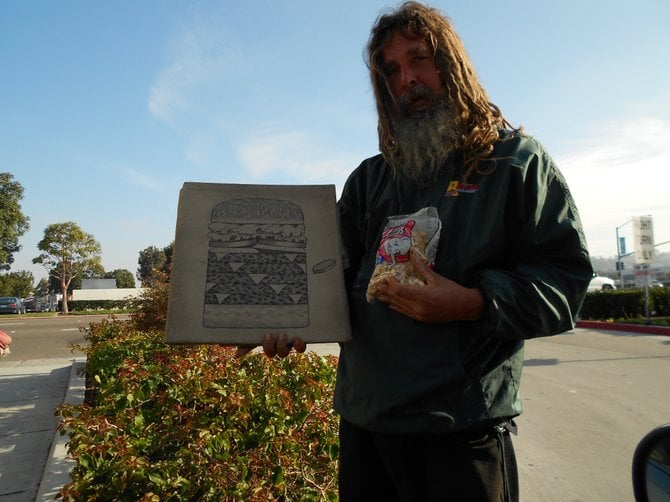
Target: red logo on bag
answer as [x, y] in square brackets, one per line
[395, 244]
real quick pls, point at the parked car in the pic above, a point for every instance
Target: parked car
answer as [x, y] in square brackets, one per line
[600, 283]
[31, 304]
[11, 305]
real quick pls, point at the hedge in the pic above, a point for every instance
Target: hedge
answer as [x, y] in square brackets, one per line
[177, 423]
[625, 304]
[82, 305]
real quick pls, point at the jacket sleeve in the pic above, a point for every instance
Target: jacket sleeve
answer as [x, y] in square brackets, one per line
[540, 291]
[350, 225]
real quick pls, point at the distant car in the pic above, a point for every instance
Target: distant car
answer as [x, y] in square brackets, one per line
[31, 305]
[600, 283]
[656, 284]
[11, 305]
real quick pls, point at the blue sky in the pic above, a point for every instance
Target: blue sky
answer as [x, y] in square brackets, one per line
[107, 108]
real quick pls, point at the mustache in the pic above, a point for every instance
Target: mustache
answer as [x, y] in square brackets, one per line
[414, 94]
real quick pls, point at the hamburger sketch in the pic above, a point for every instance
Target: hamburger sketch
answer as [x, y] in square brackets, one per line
[256, 265]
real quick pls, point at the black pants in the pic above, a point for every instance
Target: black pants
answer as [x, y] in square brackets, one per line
[468, 466]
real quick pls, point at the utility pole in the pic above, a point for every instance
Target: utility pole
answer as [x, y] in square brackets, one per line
[621, 252]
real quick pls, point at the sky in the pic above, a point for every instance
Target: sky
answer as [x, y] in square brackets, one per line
[107, 108]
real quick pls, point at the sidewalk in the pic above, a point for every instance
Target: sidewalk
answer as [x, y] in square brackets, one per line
[33, 461]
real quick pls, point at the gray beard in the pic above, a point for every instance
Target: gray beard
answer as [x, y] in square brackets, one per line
[425, 138]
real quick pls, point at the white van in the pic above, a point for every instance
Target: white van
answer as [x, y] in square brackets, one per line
[600, 283]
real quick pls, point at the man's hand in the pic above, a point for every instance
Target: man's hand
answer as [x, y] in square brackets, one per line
[275, 345]
[439, 300]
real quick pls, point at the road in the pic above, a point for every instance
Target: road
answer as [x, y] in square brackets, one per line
[589, 396]
[46, 337]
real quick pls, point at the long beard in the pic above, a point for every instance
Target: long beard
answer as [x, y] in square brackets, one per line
[425, 138]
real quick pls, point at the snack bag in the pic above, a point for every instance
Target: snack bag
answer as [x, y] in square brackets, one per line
[404, 234]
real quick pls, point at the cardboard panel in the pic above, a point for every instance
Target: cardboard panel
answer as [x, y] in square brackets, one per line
[253, 259]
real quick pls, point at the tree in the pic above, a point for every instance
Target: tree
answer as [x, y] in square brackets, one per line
[13, 223]
[17, 284]
[93, 271]
[124, 278]
[154, 265]
[68, 253]
[42, 289]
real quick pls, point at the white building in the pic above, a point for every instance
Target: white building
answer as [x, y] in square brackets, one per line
[104, 289]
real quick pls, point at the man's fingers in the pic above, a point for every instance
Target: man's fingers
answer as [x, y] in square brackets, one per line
[384, 289]
[421, 267]
[299, 345]
[282, 346]
[242, 351]
[278, 345]
[269, 345]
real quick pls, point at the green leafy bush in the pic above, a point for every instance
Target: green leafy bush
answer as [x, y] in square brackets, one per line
[149, 309]
[175, 423]
[84, 305]
[613, 304]
[625, 304]
[660, 299]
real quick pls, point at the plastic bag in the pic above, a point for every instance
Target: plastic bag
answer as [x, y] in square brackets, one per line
[405, 234]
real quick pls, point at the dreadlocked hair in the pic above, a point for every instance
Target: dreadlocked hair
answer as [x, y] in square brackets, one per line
[480, 120]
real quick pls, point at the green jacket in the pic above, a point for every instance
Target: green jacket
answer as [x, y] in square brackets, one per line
[515, 233]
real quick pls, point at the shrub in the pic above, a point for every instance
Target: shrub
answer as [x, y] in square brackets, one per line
[149, 310]
[625, 304]
[613, 304]
[84, 305]
[195, 423]
[660, 299]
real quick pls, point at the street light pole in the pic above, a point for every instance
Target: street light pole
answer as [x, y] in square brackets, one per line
[619, 254]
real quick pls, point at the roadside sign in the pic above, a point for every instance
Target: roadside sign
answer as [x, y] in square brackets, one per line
[643, 235]
[642, 276]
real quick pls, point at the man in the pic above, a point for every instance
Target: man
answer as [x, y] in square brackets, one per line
[429, 384]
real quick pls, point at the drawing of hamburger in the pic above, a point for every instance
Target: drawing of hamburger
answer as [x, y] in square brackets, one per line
[256, 265]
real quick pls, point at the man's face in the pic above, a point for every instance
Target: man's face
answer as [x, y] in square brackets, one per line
[425, 122]
[411, 74]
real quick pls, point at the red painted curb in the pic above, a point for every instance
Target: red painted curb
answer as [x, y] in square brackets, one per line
[632, 328]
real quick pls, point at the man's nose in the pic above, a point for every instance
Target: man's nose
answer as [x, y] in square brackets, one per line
[408, 78]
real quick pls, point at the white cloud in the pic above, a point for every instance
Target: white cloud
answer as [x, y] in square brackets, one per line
[620, 172]
[142, 179]
[294, 156]
[199, 59]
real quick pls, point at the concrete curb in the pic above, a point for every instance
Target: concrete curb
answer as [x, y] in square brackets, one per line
[631, 328]
[59, 465]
